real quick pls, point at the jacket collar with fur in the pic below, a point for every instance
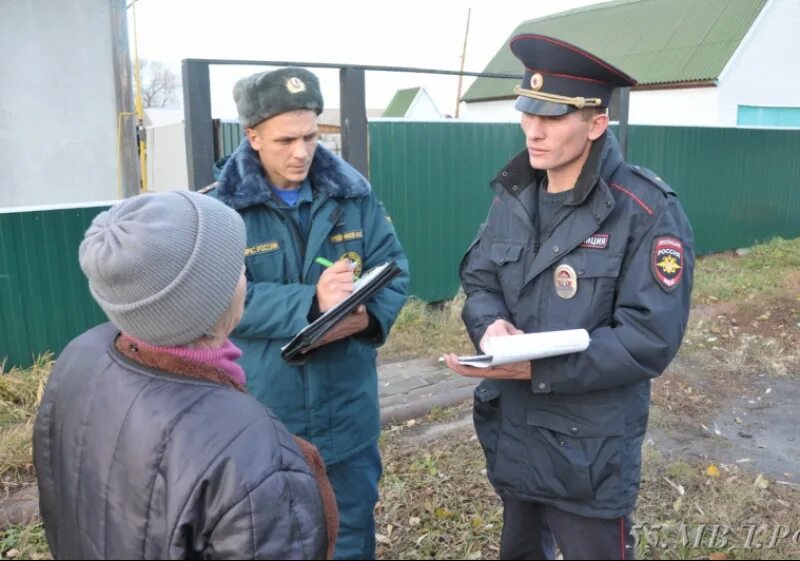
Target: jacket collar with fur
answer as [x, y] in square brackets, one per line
[241, 182]
[172, 364]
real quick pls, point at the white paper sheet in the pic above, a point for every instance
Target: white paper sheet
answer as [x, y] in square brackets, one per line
[530, 346]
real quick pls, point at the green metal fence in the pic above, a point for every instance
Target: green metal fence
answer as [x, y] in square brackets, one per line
[229, 135]
[738, 186]
[433, 179]
[44, 297]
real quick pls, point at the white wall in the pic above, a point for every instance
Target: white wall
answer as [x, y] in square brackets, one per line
[501, 111]
[765, 71]
[58, 102]
[423, 108]
[690, 107]
[166, 159]
[698, 107]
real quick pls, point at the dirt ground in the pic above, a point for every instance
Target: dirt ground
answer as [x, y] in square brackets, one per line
[733, 393]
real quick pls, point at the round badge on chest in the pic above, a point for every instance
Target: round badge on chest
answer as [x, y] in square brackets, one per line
[355, 259]
[566, 281]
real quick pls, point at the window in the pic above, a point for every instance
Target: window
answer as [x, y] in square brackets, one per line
[754, 116]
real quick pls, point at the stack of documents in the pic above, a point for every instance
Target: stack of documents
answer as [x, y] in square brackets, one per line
[530, 346]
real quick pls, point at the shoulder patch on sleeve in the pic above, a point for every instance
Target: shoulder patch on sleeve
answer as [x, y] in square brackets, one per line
[667, 262]
[652, 178]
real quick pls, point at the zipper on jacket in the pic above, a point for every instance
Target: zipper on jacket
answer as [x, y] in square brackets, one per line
[300, 244]
[307, 396]
[297, 235]
[300, 251]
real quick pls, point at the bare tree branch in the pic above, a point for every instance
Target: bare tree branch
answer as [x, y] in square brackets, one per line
[160, 85]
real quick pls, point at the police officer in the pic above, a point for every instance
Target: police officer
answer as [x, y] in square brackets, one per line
[575, 238]
[300, 202]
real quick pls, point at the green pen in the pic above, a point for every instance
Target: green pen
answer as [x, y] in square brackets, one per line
[325, 263]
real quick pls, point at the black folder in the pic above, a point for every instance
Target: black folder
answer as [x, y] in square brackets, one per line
[296, 352]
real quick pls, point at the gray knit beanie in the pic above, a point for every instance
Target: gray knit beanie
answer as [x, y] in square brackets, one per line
[164, 267]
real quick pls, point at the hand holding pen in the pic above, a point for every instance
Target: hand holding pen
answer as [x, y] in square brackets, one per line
[335, 284]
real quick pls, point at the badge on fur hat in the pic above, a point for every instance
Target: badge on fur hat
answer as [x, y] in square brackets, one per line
[667, 262]
[295, 85]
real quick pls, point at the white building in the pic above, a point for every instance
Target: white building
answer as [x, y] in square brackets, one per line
[698, 63]
[415, 104]
[166, 150]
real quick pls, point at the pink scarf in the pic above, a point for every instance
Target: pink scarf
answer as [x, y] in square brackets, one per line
[223, 358]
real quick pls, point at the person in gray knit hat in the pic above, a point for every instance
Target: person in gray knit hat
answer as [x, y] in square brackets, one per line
[164, 268]
[141, 413]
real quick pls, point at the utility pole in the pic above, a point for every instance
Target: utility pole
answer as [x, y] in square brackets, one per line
[463, 57]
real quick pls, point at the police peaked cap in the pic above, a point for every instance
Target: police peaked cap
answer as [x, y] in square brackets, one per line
[561, 78]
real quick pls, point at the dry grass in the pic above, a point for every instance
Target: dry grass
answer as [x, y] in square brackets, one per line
[680, 505]
[746, 313]
[20, 394]
[425, 330]
[769, 269]
[759, 335]
[437, 504]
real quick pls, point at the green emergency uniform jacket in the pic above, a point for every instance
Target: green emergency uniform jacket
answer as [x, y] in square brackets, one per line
[332, 399]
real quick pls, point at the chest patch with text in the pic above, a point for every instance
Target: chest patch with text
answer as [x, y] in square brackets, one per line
[262, 248]
[598, 241]
[347, 236]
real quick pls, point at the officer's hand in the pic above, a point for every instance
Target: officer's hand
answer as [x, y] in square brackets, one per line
[335, 284]
[513, 371]
[356, 322]
[499, 328]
